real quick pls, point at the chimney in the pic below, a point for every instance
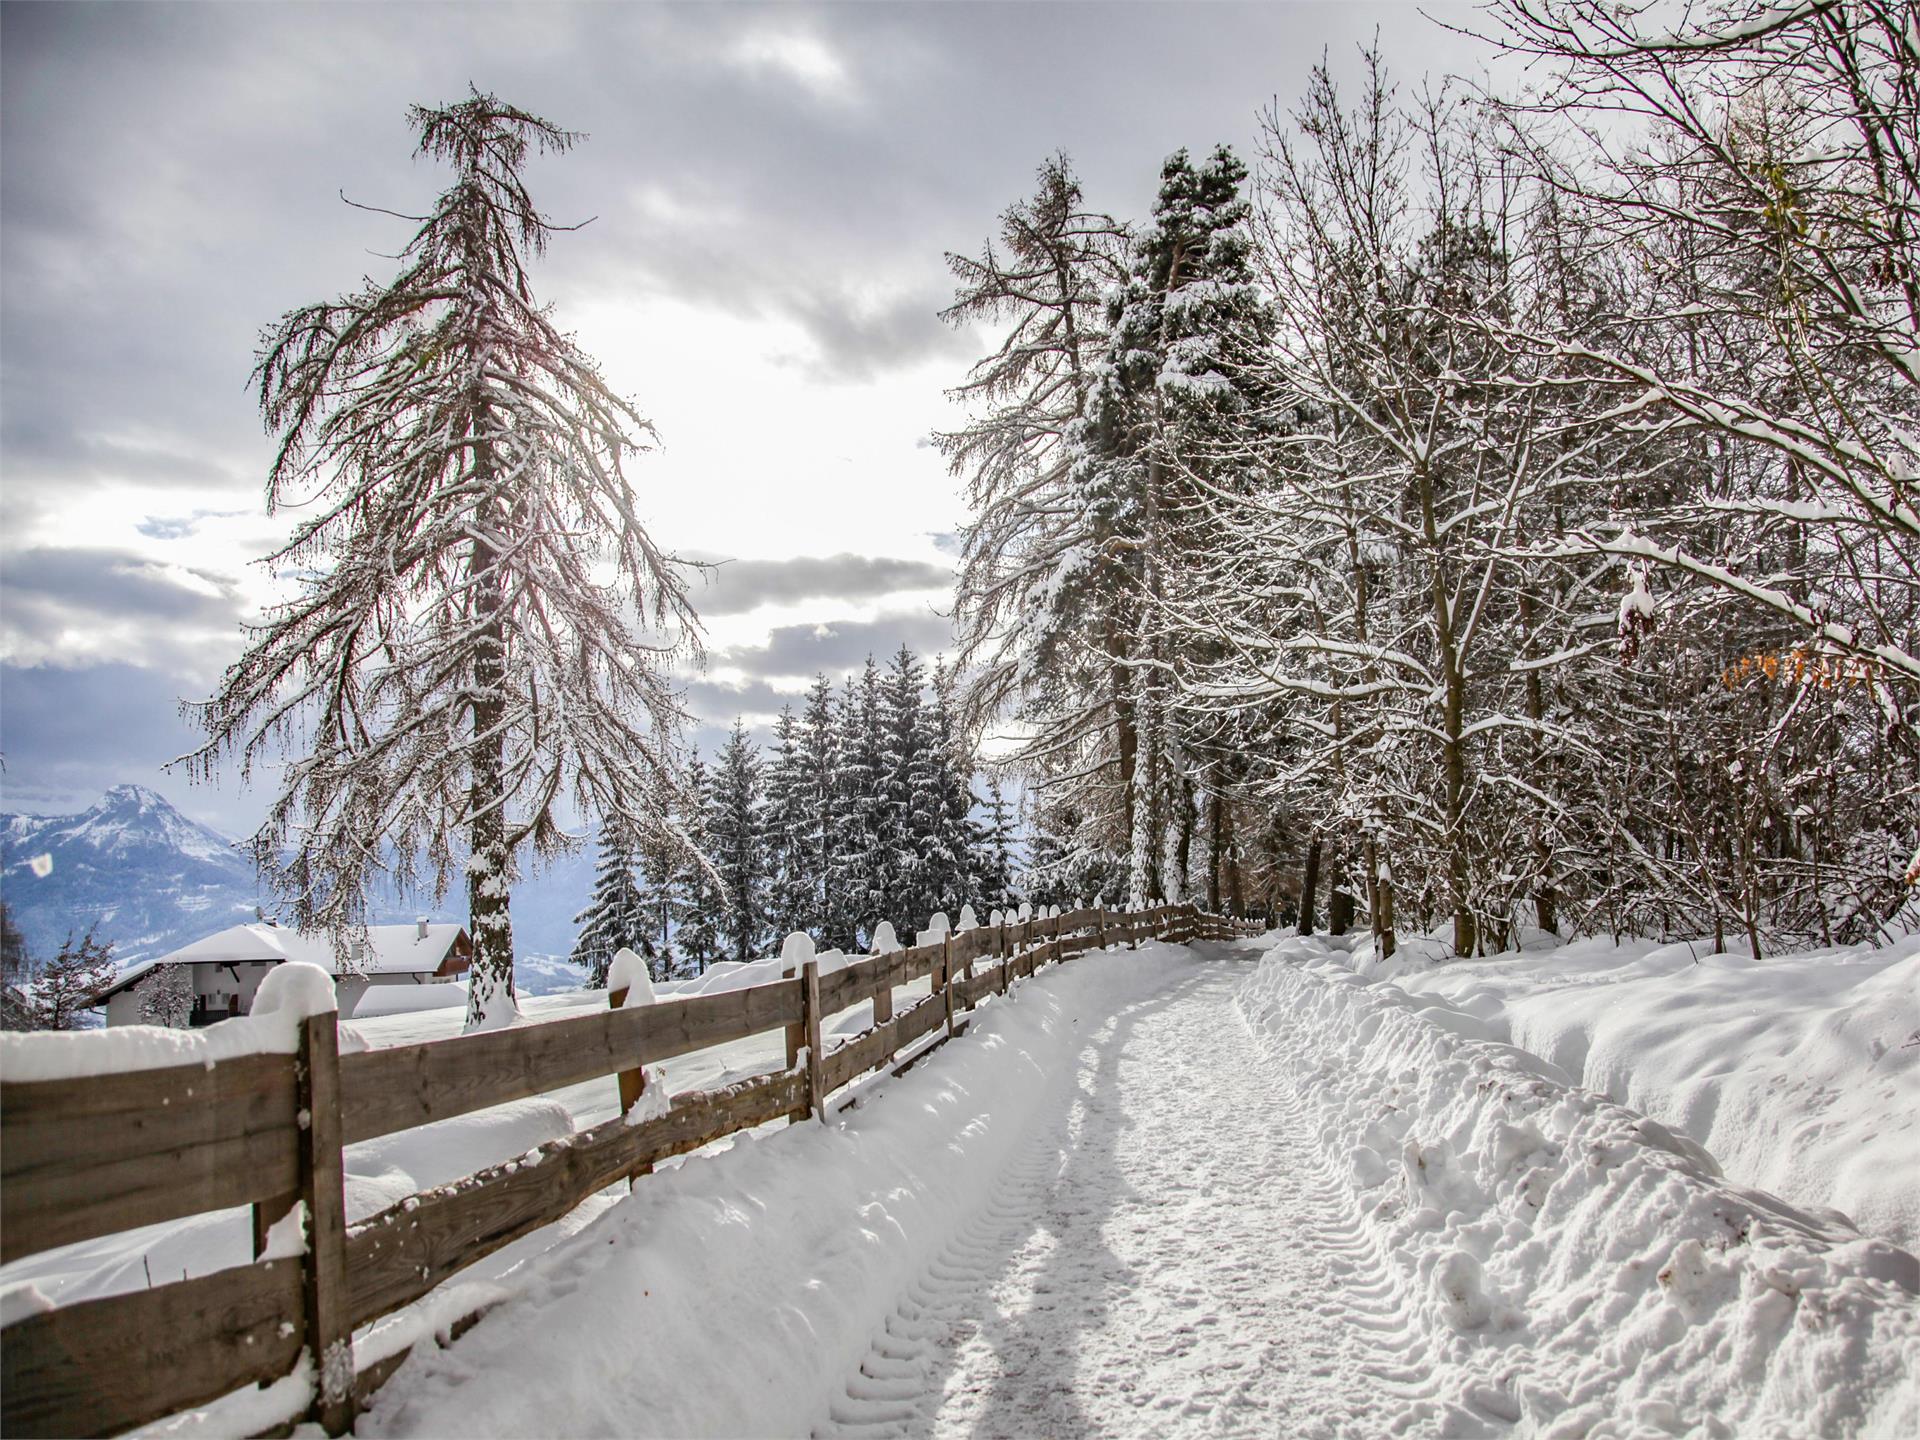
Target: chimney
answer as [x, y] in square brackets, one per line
[420, 927]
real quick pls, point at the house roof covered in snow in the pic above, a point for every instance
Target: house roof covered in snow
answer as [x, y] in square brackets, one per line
[422, 948]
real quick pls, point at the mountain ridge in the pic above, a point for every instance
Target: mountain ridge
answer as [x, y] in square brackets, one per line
[150, 880]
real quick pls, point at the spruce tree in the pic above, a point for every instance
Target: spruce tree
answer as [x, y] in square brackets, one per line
[662, 908]
[909, 797]
[615, 918]
[703, 902]
[736, 830]
[993, 857]
[788, 820]
[858, 876]
[820, 785]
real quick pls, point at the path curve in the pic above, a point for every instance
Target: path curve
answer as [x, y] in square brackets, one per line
[1167, 1253]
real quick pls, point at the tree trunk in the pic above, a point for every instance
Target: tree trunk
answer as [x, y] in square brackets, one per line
[1309, 886]
[1146, 764]
[490, 998]
[1215, 803]
[1340, 899]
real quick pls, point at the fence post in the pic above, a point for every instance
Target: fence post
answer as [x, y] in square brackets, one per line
[1100, 926]
[633, 1083]
[946, 975]
[883, 995]
[796, 1032]
[323, 1190]
[810, 1019]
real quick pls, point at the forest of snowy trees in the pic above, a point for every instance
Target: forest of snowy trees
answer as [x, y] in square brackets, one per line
[1498, 509]
[1490, 511]
[863, 810]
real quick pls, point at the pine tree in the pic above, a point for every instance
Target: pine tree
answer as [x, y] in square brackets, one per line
[662, 905]
[788, 819]
[461, 656]
[820, 786]
[860, 870]
[736, 830]
[993, 857]
[702, 900]
[905, 831]
[951, 838]
[616, 918]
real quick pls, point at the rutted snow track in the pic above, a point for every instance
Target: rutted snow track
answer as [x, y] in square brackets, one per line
[1165, 1254]
[1170, 1193]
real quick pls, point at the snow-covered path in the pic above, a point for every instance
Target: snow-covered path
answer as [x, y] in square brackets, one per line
[1165, 1253]
[1170, 1192]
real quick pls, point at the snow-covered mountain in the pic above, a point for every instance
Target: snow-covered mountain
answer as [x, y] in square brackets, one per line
[150, 880]
[132, 868]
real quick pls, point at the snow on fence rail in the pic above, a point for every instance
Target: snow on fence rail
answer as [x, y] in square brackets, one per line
[95, 1154]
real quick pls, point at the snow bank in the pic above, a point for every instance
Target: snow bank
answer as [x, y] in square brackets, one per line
[1799, 1072]
[733, 1295]
[289, 994]
[1571, 1263]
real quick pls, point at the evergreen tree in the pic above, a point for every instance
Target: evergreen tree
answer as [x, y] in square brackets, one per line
[993, 857]
[951, 837]
[463, 654]
[820, 785]
[788, 822]
[736, 830]
[616, 918]
[702, 900]
[909, 795]
[858, 874]
[662, 907]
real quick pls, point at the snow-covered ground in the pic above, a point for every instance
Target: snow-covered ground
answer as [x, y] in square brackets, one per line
[1235, 1189]
[1800, 1073]
[1167, 1192]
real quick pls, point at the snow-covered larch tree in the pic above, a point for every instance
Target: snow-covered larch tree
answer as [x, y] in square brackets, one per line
[483, 625]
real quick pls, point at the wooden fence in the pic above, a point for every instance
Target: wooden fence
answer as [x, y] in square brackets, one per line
[88, 1157]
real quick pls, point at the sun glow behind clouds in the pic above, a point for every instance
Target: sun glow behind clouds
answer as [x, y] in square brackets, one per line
[805, 59]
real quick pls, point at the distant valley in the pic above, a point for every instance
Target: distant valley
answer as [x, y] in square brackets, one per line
[150, 880]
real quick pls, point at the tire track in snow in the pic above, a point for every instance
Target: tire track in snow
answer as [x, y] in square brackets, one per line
[1169, 1252]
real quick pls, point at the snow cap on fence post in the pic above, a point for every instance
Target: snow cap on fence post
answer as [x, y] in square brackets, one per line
[628, 972]
[885, 942]
[937, 929]
[1026, 911]
[795, 951]
[997, 918]
[968, 920]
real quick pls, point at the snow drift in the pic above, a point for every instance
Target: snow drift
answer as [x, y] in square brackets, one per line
[1573, 1265]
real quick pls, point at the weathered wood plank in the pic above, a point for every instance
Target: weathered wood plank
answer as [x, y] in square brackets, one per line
[397, 1256]
[329, 1331]
[408, 1085]
[97, 1367]
[810, 1012]
[159, 1145]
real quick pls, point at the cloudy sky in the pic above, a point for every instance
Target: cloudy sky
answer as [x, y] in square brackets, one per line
[772, 190]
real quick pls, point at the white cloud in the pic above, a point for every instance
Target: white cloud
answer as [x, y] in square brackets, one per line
[804, 59]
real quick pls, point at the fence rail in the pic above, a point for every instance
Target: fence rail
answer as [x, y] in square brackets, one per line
[84, 1158]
